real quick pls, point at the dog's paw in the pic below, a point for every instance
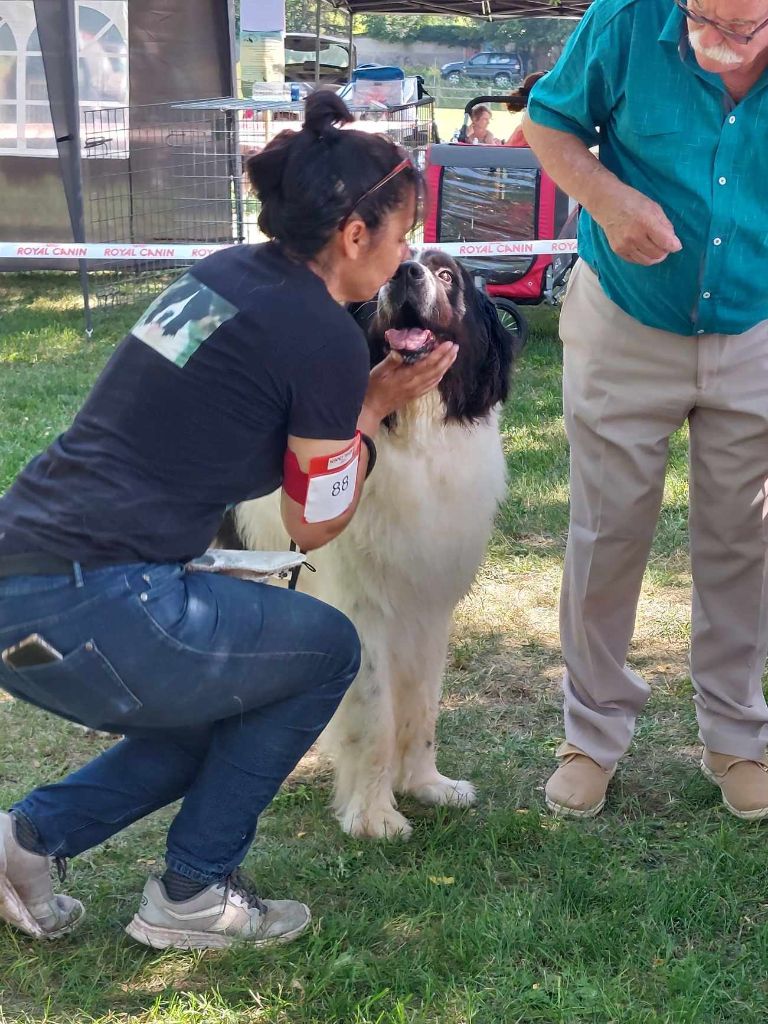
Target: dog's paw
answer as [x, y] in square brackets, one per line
[374, 823]
[445, 792]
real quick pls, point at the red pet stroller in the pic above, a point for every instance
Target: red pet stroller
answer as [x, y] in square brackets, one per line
[489, 193]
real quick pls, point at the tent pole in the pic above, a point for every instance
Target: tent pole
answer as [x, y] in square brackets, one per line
[317, 43]
[57, 30]
[351, 44]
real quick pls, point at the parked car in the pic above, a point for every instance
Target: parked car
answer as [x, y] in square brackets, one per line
[503, 69]
[335, 58]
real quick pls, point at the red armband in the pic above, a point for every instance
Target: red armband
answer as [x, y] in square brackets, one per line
[295, 480]
[328, 489]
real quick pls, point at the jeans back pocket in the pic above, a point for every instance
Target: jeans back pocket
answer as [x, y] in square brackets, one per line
[83, 686]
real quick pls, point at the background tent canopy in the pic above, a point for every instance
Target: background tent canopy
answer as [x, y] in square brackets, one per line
[474, 8]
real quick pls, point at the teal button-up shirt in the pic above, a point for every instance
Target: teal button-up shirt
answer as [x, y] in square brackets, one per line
[670, 130]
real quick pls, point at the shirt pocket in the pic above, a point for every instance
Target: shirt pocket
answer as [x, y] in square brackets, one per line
[82, 686]
[649, 121]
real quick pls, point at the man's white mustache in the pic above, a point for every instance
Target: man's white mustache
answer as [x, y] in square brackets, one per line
[721, 54]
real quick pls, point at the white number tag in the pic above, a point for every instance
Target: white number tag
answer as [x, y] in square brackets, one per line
[331, 494]
[332, 482]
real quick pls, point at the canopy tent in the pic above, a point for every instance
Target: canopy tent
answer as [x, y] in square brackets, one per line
[168, 52]
[487, 9]
[177, 50]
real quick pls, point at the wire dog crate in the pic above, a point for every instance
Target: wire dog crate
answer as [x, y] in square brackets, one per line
[174, 173]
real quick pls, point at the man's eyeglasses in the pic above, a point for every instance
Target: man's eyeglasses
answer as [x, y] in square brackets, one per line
[729, 33]
[379, 184]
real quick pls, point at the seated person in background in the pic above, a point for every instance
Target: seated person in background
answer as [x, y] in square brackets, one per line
[477, 130]
[518, 102]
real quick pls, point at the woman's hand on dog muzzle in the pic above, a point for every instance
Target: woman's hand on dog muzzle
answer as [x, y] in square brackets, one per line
[393, 383]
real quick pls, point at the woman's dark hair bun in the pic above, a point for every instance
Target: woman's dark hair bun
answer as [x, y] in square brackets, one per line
[518, 100]
[323, 110]
[309, 181]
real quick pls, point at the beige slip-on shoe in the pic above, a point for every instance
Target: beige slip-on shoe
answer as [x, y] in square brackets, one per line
[577, 788]
[743, 783]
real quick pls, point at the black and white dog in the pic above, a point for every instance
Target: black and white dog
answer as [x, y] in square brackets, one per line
[413, 548]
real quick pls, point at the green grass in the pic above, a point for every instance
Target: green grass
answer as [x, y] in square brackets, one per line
[657, 912]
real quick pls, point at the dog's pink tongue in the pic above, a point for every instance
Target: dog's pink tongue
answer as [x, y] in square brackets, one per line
[407, 339]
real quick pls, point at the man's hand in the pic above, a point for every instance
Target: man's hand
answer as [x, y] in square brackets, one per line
[636, 227]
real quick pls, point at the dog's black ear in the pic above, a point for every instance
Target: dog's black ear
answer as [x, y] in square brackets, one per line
[228, 535]
[364, 314]
[503, 346]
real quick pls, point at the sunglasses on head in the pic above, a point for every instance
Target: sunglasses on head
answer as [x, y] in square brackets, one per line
[406, 162]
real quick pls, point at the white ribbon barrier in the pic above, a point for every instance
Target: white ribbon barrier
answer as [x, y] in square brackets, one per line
[117, 251]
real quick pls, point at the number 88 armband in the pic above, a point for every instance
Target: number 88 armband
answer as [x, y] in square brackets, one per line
[328, 489]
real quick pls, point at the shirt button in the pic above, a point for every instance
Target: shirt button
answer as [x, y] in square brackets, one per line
[717, 241]
[144, 596]
[732, 119]
[705, 295]
[721, 181]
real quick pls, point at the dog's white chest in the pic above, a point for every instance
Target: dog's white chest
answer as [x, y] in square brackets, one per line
[428, 509]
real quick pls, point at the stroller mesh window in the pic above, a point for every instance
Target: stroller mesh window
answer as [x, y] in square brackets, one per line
[486, 204]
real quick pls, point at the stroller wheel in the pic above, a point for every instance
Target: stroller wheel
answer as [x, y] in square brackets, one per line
[511, 319]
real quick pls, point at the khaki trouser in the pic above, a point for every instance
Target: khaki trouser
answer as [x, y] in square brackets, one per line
[626, 388]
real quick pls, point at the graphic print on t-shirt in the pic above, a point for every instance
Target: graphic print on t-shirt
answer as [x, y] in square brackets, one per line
[182, 318]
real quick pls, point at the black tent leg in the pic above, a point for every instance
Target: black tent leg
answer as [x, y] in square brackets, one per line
[351, 45]
[317, 43]
[57, 30]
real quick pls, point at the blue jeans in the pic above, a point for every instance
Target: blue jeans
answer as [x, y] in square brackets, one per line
[219, 686]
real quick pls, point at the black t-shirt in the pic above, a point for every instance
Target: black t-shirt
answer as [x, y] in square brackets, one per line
[192, 412]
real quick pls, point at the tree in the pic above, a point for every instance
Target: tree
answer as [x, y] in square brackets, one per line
[300, 16]
[537, 40]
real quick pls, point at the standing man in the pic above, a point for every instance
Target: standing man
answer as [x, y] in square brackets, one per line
[666, 320]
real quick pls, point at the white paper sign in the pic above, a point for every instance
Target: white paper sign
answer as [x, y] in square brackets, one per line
[255, 563]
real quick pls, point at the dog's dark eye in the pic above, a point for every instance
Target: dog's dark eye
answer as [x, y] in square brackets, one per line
[445, 275]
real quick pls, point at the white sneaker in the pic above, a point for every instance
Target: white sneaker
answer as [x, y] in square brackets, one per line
[220, 915]
[27, 899]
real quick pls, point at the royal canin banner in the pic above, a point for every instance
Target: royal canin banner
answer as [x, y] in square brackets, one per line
[119, 251]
